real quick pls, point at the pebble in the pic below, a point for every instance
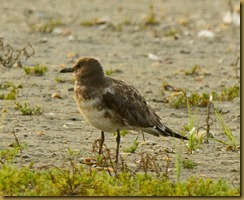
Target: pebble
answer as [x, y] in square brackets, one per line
[234, 170]
[56, 96]
[152, 56]
[57, 31]
[103, 20]
[25, 156]
[44, 40]
[205, 34]
[71, 37]
[88, 161]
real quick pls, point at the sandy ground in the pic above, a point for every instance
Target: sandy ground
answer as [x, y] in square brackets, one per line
[124, 48]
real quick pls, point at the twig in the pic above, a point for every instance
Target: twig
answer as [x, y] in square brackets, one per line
[6, 54]
[16, 140]
[235, 65]
[207, 120]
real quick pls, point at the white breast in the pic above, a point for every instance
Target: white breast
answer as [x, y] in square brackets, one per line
[95, 116]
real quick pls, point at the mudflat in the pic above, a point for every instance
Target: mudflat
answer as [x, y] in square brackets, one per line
[144, 43]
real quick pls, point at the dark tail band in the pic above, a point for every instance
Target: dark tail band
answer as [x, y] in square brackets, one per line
[165, 131]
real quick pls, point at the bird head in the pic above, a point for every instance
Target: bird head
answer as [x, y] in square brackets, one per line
[86, 69]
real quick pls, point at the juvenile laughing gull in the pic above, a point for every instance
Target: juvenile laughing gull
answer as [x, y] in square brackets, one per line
[112, 105]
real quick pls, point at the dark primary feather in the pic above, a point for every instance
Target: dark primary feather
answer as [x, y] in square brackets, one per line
[168, 132]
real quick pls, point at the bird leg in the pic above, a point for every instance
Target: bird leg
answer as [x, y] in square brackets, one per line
[101, 141]
[118, 144]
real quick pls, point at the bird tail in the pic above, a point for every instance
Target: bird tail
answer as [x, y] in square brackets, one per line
[165, 131]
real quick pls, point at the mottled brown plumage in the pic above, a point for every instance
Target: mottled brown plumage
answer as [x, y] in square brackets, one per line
[112, 105]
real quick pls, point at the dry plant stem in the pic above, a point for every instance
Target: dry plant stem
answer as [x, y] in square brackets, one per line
[112, 164]
[6, 54]
[236, 69]
[207, 120]
[95, 146]
[230, 4]
[16, 139]
[149, 162]
[167, 166]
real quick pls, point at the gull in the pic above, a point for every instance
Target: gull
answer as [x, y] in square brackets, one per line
[112, 105]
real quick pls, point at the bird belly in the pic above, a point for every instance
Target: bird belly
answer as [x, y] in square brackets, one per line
[96, 117]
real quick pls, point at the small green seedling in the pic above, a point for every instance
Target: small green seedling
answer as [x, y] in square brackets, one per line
[133, 148]
[170, 33]
[4, 86]
[37, 70]
[11, 95]
[123, 133]
[228, 94]
[109, 72]
[194, 71]
[189, 164]
[178, 166]
[62, 80]
[46, 27]
[194, 141]
[92, 22]
[150, 19]
[26, 109]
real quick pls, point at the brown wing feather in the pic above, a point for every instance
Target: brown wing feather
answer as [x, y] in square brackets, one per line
[126, 101]
[132, 109]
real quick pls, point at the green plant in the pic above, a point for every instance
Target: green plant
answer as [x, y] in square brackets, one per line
[92, 22]
[150, 19]
[231, 144]
[228, 94]
[9, 96]
[194, 70]
[76, 180]
[45, 26]
[170, 33]
[8, 154]
[109, 72]
[180, 96]
[72, 153]
[179, 100]
[133, 148]
[188, 164]
[178, 166]
[26, 109]
[123, 132]
[192, 118]
[6, 85]
[62, 80]
[194, 141]
[14, 90]
[37, 70]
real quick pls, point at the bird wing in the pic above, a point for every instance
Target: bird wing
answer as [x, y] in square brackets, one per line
[133, 110]
[127, 102]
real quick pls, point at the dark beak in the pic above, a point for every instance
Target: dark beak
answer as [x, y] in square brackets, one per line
[66, 70]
